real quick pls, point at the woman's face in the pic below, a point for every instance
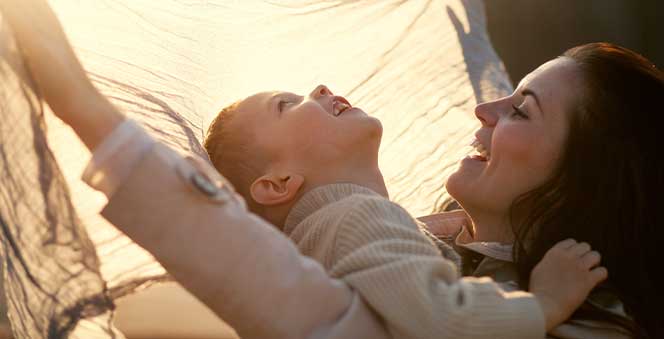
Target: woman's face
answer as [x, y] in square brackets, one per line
[519, 142]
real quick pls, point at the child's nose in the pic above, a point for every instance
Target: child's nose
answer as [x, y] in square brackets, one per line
[321, 91]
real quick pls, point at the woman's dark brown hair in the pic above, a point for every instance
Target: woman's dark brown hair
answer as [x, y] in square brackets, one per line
[607, 186]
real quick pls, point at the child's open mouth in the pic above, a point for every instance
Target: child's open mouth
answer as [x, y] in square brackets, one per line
[340, 105]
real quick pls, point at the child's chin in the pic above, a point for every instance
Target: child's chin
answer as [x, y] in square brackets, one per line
[374, 128]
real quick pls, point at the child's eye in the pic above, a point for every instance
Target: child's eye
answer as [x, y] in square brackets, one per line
[518, 113]
[282, 104]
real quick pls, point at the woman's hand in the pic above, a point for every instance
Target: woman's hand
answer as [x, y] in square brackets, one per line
[562, 280]
[62, 81]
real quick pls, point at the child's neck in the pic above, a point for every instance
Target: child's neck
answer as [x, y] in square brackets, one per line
[370, 178]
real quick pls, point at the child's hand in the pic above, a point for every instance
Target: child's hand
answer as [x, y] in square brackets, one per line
[46, 51]
[562, 280]
[62, 81]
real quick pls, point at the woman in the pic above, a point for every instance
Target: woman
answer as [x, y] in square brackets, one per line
[574, 152]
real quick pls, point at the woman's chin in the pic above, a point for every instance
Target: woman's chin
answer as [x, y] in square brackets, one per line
[455, 185]
[461, 185]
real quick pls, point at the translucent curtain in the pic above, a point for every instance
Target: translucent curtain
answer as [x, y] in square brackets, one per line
[418, 65]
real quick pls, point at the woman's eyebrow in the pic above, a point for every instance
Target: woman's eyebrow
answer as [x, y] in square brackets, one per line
[527, 92]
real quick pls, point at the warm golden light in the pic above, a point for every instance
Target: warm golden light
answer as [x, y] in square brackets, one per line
[172, 64]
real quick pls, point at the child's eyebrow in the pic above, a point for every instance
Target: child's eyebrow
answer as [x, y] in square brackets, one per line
[271, 103]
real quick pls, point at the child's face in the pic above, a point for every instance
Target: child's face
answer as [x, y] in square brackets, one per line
[317, 132]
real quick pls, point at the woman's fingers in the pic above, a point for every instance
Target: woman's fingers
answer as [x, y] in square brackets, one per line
[591, 259]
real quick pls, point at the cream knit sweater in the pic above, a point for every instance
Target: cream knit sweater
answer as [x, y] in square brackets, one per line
[376, 247]
[253, 277]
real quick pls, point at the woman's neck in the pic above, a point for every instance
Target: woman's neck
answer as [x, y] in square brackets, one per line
[491, 228]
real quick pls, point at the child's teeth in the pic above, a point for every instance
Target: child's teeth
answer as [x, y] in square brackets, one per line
[340, 107]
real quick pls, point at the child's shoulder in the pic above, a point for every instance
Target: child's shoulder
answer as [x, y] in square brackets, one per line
[373, 217]
[371, 208]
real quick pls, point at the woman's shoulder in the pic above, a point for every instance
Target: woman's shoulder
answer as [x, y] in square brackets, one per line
[588, 329]
[601, 300]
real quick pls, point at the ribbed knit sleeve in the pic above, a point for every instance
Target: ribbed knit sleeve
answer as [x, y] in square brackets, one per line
[379, 251]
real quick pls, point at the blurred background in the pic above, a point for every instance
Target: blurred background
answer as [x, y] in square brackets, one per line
[526, 33]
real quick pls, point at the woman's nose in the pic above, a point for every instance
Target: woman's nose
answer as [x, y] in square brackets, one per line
[320, 91]
[487, 113]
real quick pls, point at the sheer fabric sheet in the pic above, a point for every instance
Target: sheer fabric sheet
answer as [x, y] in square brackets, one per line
[418, 65]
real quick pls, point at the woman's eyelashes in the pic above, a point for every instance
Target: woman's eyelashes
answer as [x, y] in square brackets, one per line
[518, 113]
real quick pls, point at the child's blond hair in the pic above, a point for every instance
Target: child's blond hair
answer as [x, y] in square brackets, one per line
[234, 154]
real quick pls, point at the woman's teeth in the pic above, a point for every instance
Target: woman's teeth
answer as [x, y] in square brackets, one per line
[481, 150]
[340, 108]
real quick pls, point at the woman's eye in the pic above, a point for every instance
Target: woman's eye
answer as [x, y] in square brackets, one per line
[518, 113]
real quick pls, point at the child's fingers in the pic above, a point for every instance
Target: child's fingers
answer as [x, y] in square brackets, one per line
[591, 259]
[580, 249]
[565, 244]
[599, 274]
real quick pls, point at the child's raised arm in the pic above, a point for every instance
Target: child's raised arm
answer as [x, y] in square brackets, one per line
[193, 223]
[562, 280]
[61, 79]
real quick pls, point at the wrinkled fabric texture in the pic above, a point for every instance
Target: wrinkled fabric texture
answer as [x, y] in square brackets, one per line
[418, 65]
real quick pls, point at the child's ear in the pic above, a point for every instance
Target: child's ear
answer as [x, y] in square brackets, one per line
[272, 189]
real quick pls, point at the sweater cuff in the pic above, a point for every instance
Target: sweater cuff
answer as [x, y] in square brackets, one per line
[525, 307]
[113, 159]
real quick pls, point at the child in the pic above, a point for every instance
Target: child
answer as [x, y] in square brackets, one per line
[304, 163]
[315, 181]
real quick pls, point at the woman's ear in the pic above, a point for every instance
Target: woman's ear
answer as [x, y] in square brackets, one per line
[272, 189]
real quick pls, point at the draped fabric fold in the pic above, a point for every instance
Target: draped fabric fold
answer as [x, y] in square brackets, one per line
[418, 65]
